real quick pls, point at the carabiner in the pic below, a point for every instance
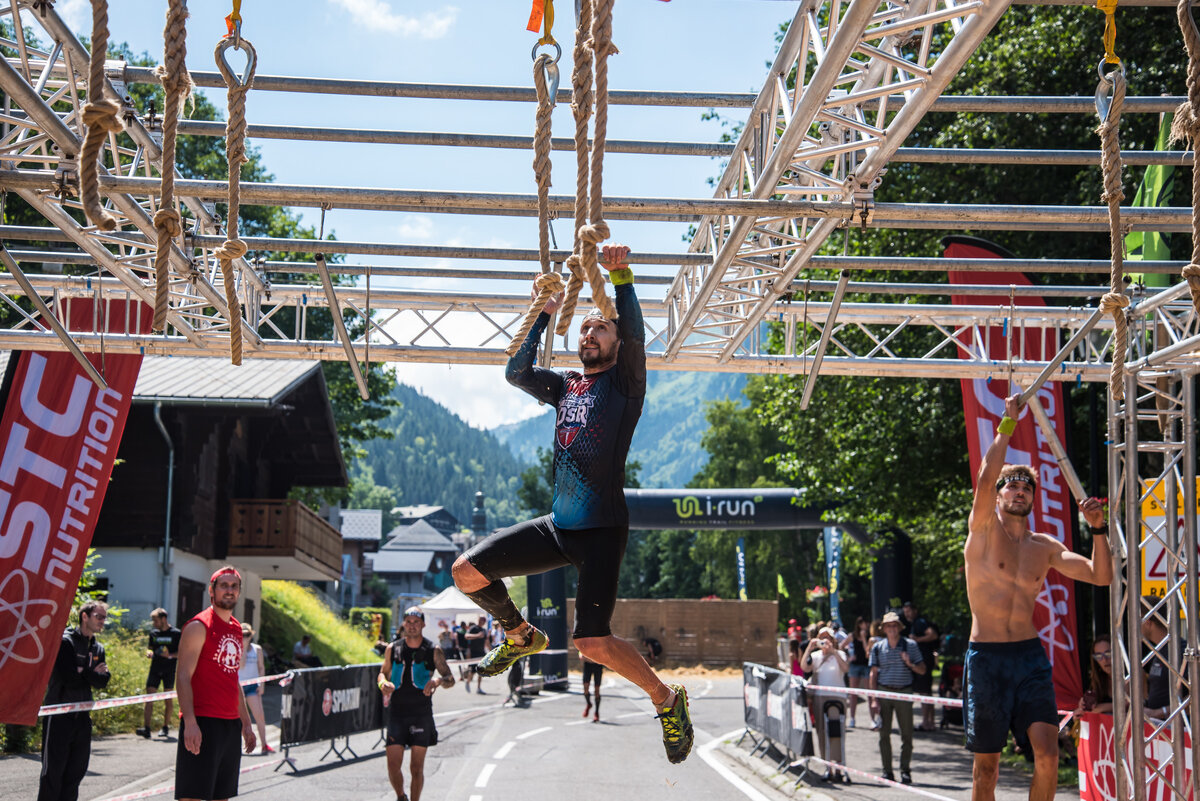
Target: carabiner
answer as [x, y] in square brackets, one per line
[1106, 87]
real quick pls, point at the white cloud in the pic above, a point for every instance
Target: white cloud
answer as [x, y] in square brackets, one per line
[77, 14]
[415, 228]
[377, 15]
[476, 393]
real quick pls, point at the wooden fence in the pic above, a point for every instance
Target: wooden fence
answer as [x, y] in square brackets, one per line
[713, 633]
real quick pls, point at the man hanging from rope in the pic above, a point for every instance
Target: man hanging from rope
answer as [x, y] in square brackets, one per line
[589, 523]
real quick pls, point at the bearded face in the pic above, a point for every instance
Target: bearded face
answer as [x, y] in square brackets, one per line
[1016, 498]
[225, 592]
[598, 343]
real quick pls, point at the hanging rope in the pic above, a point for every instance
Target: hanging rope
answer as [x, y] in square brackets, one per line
[581, 108]
[548, 283]
[1186, 128]
[101, 115]
[177, 85]
[1115, 300]
[596, 231]
[235, 153]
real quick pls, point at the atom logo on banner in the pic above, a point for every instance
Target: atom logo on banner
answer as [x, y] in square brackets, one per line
[1055, 637]
[20, 628]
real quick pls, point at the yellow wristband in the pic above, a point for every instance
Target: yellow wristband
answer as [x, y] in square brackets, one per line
[624, 275]
[1007, 426]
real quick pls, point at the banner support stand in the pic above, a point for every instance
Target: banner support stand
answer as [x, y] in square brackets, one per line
[287, 760]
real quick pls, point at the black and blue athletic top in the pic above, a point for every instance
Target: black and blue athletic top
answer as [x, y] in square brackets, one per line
[596, 417]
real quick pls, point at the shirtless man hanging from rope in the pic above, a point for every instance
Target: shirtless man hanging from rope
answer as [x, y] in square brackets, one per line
[1009, 681]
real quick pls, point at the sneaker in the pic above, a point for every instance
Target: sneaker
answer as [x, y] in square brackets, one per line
[143, 733]
[876, 723]
[891, 777]
[850, 723]
[587, 710]
[166, 732]
[266, 749]
[501, 658]
[596, 718]
[846, 779]
[677, 727]
[905, 777]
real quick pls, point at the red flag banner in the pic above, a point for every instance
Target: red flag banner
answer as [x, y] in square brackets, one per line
[60, 434]
[1098, 761]
[983, 404]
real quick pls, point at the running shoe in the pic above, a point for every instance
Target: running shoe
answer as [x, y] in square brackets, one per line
[143, 733]
[166, 732]
[677, 727]
[502, 657]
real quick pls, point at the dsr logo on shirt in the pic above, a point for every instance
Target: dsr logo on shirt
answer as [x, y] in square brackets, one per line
[229, 653]
[572, 417]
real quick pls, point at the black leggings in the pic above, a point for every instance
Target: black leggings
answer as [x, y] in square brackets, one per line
[537, 546]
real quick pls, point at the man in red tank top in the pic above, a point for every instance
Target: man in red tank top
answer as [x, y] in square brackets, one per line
[211, 703]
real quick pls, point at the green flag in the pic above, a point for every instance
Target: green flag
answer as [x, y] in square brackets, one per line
[781, 588]
[1156, 189]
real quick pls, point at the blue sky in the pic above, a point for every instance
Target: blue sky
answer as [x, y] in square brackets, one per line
[689, 45]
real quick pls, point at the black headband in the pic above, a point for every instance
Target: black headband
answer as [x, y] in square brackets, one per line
[1016, 477]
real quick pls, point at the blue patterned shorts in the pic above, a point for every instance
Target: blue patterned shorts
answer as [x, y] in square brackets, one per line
[1010, 687]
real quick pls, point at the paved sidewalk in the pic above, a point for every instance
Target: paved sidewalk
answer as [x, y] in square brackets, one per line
[940, 766]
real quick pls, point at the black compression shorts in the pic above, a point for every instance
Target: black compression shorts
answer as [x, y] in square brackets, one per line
[411, 730]
[537, 546]
[592, 671]
[161, 675]
[213, 773]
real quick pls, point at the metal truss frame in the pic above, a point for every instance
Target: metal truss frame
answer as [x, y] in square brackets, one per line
[851, 80]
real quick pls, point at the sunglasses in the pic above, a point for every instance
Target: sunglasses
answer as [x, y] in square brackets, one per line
[1103, 655]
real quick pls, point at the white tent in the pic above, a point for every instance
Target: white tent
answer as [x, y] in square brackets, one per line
[451, 606]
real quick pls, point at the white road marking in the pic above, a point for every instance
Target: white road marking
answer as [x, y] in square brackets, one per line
[633, 715]
[485, 774]
[577, 722]
[475, 798]
[725, 773]
[532, 732]
[708, 688]
[504, 749]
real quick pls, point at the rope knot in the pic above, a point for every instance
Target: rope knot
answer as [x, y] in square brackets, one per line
[167, 223]
[575, 264]
[1185, 127]
[551, 283]
[595, 233]
[231, 249]
[1110, 197]
[178, 84]
[605, 49]
[1113, 302]
[103, 114]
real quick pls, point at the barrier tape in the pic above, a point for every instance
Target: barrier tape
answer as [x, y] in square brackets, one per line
[162, 790]
[477, 660]
[880, 779]
[107, 703]
[937, 700]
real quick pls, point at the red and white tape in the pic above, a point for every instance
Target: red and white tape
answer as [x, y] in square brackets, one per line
[168, 788]
[873, 777]
[953, 703]
[108, 703]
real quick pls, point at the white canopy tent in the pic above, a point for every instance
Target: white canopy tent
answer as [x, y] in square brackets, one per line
[451, 606]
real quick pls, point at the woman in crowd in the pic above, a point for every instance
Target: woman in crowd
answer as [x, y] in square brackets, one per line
[858, 649]
[826, 665]
[252, 668]
[1098, 698]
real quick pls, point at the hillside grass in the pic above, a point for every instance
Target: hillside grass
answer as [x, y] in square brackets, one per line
[289, 611]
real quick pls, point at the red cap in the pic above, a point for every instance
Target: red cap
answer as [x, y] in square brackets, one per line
[223, 572]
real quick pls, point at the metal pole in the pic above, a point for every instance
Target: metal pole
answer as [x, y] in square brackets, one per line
[1059, 358]
[810, 380]
[1060, 455]
[166, 555]
[1124, 659]
[339, 325]
[1190, 548]
[1133, 585]
[59, 330]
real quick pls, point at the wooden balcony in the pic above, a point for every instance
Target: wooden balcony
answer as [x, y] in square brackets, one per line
[282, 539]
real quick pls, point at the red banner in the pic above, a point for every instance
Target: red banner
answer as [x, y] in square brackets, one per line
[60, 434]
[1098, 762]
[983, 403]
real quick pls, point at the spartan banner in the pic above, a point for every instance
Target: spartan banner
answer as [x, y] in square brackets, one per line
[60, 434]
[323, 703]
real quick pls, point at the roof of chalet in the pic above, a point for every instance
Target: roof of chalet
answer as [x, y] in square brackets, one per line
[400, 561]
[418, 536]
[420, 510]
[362, 524]
[201, 379]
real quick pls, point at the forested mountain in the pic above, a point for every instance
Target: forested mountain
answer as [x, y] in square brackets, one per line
[435, 458]
[667, 440]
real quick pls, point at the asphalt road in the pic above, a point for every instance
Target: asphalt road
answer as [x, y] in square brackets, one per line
[490, 749]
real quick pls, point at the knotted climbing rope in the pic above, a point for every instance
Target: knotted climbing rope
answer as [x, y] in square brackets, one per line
[593, 40]
[1115, 301]
[101, 115]
[177, 85]
[235, 153]
[1186, 128]
[548, 283]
